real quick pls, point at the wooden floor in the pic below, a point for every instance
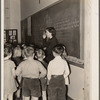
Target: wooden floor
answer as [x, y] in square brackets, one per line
[41, 99]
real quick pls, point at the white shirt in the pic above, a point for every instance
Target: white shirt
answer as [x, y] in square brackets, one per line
[58, 66]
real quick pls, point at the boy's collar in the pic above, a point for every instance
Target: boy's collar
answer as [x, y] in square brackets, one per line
[30, 58]
[58, 57]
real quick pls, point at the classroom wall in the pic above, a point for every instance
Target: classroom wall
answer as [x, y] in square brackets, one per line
[91, 50]
[12, 16]
[15, 17]
[29, 7]
[6, 14]
[76, 86]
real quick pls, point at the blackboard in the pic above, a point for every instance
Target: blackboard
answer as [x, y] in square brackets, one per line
[65, 17]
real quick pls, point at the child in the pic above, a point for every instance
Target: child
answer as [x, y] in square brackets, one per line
[17, 52]
[20, 78]
[40, 55]
[58, 72]
[31, 70]
[17, 58]
[64, 54]
[9, 74]
[23, 54]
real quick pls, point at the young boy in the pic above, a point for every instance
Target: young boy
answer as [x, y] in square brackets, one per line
[31, 70]
[40, 55]
[57, 75]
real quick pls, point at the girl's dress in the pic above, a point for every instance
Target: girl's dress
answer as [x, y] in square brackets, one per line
[9, 80]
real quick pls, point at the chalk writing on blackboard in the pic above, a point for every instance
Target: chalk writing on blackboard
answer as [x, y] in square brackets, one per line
[64, 25]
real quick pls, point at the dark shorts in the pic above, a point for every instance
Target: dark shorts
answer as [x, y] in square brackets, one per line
[43, 84]
[56, 88]
[31, 87]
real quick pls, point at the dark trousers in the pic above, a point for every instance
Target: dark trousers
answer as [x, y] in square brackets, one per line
[56, 88]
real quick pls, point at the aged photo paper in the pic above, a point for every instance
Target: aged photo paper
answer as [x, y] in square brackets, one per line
[77, 27]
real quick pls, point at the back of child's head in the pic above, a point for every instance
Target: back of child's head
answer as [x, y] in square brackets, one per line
[28, 51]
[40, 54]
[23, 46]
[7, 50]
[58, 49]
[17, 51]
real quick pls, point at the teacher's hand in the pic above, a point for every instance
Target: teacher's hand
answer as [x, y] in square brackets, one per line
[44, 36]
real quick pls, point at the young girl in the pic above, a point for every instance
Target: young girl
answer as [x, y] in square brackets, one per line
[40, 55]
[9, 74]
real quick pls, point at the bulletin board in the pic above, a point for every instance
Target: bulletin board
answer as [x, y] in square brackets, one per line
[10, 36]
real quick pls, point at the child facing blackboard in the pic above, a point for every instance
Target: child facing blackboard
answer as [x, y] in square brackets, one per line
[57, 75]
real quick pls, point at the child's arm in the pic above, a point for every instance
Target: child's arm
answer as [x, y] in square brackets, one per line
[19, 69]
[49, 73]
[13, 68]
[19, 78]
[42, 70]
[13, 72]
[66, 73]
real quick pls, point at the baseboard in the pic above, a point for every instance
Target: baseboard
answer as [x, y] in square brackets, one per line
[69, 98]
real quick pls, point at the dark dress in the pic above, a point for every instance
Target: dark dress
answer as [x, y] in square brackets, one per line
[17, 60]
[49, 46]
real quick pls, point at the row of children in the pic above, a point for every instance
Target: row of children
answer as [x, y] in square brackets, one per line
[34, 75]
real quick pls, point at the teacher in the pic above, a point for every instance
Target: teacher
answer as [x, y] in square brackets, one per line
[49, 41]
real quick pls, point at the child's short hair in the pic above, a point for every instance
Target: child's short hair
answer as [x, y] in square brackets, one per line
[40, 53]
[29, 51]
[17, 52]
[58, 49]
[7, 50]
[51, 30]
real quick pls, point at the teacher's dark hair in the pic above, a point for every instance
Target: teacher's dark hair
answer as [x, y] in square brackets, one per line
[51, 30]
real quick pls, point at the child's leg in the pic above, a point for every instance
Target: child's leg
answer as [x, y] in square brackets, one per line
[10, 96]
[66, 92]
[5, 97]
[61, 95]
[44, 95]
[18, 93]
[52, 93]
[34, 98]
[26, 98]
